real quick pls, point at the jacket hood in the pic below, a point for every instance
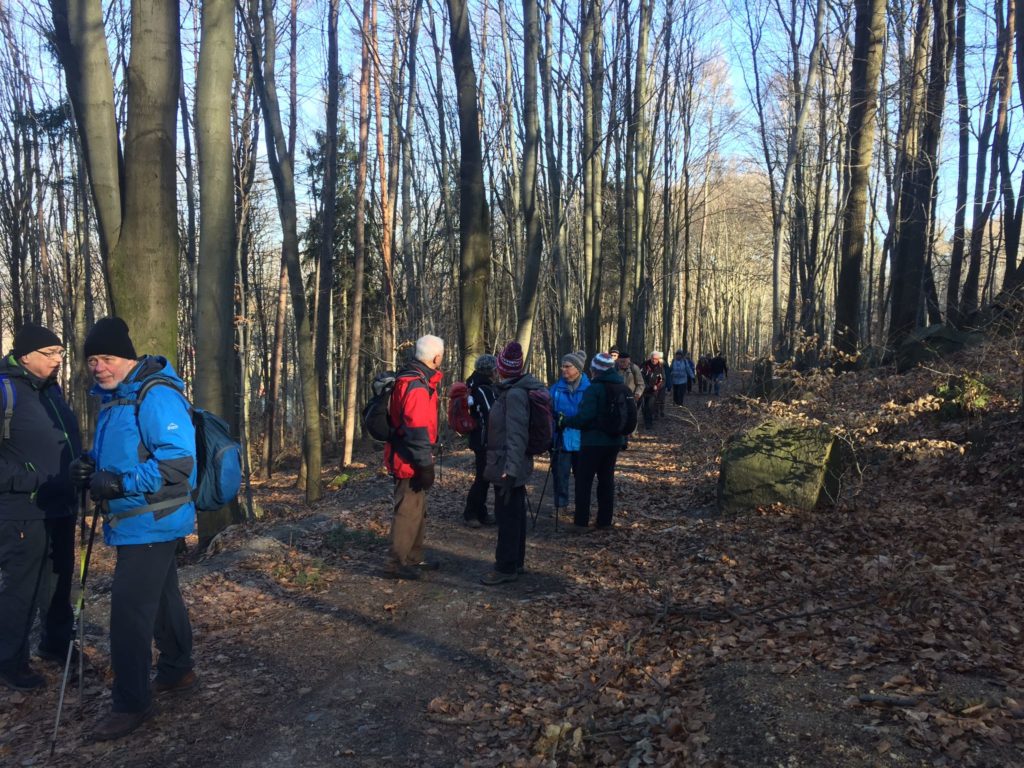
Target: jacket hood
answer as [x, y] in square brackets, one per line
[147, 367]
[526, 381]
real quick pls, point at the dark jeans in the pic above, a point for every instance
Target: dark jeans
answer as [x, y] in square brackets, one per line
[23, 546]
[54, 603]
[510, 552]
[596, 461]
[679, 393]
[562, 464]
[37, 560]
[476, 499]
[146, 604]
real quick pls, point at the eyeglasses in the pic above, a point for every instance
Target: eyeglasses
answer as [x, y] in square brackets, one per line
[53, 354]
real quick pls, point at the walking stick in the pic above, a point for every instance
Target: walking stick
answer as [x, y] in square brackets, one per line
[540, 503]
[77, 626]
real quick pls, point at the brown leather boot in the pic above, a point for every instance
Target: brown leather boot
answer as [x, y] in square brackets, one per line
[184, 683]
[119, 724]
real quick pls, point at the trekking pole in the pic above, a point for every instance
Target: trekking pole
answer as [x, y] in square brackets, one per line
[540, 504]
[76, 627]
[79, 635]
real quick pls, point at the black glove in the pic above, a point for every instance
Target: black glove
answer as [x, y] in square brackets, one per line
[423, 479]
[80, 470]
[105, 485]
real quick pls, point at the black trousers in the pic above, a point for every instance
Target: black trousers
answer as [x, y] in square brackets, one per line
[476, 499]
[599, 462]
[37, 559]
[510, 552]
[679, 393]
[146, 604]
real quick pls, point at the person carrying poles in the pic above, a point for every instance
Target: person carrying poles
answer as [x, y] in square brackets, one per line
[141, 472]
[654, 388]
[566, 395]
[599, 450]
[38, 443]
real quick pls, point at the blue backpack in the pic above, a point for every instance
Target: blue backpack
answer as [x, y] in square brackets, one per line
[218, 455]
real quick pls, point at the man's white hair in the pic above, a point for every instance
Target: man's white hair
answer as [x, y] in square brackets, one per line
[428, 347]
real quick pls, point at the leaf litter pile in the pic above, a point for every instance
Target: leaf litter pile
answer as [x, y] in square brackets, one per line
[885, 629]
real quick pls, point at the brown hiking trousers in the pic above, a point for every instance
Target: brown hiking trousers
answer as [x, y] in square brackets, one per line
[408, 525]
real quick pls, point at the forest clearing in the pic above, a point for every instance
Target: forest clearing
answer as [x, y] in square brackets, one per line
[884, 631]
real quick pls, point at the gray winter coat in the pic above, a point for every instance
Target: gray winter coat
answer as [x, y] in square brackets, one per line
[508, 428]
[633, 378]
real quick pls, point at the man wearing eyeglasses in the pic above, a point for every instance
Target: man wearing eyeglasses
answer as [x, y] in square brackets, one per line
[39, 439]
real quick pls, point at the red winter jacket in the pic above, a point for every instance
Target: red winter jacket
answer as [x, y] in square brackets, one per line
[414, 416]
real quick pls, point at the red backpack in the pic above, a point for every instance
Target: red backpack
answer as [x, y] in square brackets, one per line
[542, 423]
[460, 417]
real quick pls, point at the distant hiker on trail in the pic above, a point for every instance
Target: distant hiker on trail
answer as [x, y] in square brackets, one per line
[718, 371]
[703, 374]
[632, 377]
[141, 472]
[481, 388]
[508, 465]
[409, 456]
[654, 372]
[693, 373]
[681, 372]
[566, 394]
[598, 449]
[38, 442]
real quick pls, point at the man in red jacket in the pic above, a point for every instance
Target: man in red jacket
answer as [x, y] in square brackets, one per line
[409, 456]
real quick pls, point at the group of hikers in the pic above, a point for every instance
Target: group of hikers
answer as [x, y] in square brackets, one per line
[589, 430]
[142, 475]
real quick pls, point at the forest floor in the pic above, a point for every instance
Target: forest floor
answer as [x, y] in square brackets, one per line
[883, 631]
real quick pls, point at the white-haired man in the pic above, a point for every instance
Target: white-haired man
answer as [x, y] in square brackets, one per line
[409, 456]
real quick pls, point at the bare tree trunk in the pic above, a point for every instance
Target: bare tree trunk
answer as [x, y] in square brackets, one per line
[867, 61]
[474, 221]
[281, 163]
[528, 179]
[215, 387]
[358, 241]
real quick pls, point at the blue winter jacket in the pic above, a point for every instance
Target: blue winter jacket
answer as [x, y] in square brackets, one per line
[154, 452]
[566, 401]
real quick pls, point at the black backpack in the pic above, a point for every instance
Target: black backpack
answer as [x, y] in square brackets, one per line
[619, 417]
[376, 418]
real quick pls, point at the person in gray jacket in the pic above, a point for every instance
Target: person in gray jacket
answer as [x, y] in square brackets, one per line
[508, 465]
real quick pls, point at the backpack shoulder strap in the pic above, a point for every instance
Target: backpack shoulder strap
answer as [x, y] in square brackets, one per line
[6, 405]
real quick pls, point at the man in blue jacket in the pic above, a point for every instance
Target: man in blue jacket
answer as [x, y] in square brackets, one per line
[141, 472]
[39, 438]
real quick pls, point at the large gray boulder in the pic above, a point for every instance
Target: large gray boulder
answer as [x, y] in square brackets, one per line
[923, 345]
[798, 465]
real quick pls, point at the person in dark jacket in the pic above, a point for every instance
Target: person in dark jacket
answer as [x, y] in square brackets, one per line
[719, 371]
[598, 449]
[38, 442]
[508, 465]
[409, 456]
[141, 472]
[481, 393]
[655, 377]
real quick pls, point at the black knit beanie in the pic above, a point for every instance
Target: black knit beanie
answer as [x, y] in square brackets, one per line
[32, 337]
[110, 337]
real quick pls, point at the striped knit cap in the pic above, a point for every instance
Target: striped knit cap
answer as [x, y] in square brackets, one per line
[510, 360]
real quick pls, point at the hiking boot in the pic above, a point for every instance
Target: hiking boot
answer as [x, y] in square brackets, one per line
[472, 523]
[488, 521]
[186, 682]
[406, 572]
[426, 565]
[22, 679]
[119, 724]
[497, 577]
[59, 657]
